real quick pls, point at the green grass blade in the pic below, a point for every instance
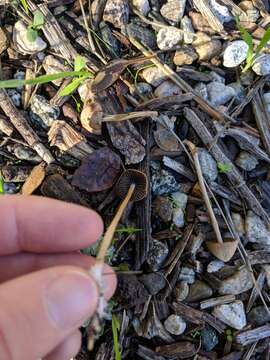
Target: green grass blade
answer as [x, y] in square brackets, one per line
[25, 6]
[43, 79]
[72, 86]
[115, 329]
[247, 39]
[2, 191]
[264, 41]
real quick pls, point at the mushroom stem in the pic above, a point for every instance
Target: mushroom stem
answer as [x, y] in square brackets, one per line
[206, 199]
[107, 239]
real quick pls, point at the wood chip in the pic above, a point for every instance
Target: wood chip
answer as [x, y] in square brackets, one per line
[34, 180]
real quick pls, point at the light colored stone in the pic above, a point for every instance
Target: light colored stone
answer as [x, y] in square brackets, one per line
[178, 217]
[187, 274]
[175, 325]
[239, 223]
[246, 161]
[219, 94]
[167, 88]
[199, 291]
[206, 47]
[256, 231]
[22, 43]
[181, 291]
[168, 38]
[180, 199]
[185, 56]
[162, 182]
[214, 266]
[232, 314]
[42, 112]
[173, 11]
[208, 165]
[142, 5]
[235, 53]
[153, 76]
[237, 283]
[186, 25]
[221, 11]
[261, 65]
[116, 12]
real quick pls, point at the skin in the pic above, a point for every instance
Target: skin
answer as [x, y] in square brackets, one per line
[46, 292]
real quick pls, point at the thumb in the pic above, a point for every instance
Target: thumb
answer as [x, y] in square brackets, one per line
[38, 311]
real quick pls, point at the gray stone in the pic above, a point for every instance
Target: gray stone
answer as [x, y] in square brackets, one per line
[185, 56]
[168, 38]
[175, 325]
[186, 25]
[187, 274]
[214, 266]
[258, 316]
[232, 314]
[178, 217]
[199, 291]
[157, 255]
[153, 76]
[153, 282]
[42, 112]
[116, 12]
[201, 88]
[141, 33]
[246, 161]
[25, 153]
[237, 283]
[216, 77]
[219, 94]
[141, 5]
[261, 65]
[163, 208]
[221, 11]
[235, 53]
[173, 11]
[208, 165]
[180, 199]
[209, 338]
[167, 88]
[206, 47]
[180, 291]
[256, 231]
[15, 96]
[162, 182]
[240, 94]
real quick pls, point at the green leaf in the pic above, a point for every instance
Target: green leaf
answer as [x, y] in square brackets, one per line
[70, 88]
[247, 39]
[79, 63]
[115, 329]
[43, 79]
[224, 168]
[127, 230]
[25, 6]
[38, 20]
[1, 185]
[31, 34]
[264, 41]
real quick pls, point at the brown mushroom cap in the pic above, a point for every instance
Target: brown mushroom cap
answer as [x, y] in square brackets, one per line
[128, 178]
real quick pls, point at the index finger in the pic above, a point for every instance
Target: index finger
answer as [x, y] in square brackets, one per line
[40, 225]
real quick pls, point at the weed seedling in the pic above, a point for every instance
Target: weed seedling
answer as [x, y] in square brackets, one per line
[115, 330]
[36, 25]
[224, 168]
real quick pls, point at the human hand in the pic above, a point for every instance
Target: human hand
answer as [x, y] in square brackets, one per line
[45, 294]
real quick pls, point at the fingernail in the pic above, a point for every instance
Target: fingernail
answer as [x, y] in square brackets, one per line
[71, 299]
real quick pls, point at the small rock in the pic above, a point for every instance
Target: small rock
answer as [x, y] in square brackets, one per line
[235, 53]
[173, 11]
[166, 141]
[143, 89]
[53, 65]
[116, 12]
[178, 217]
[143, 34]
[261, 65]
[175, 325]
[163, 208]
[256, 231]
[258, 316]
[214, 266]
[20, 39]
[24, 153]
[246, 161]
[180, 199]
[209, 338]
[20, 75]
[153, 282]
[153, 75]
[168, 38]
[221, 12]
[15, 96]
[181, 291]
[205, 47]
[199, 291]
[200, 23]
[208, 165]
[187, 274]
[162, 182]
[237, 283]
[201, 88]
[240, 94]
[10, 188]
[219, 94]
[3, 41]
[239, 223]
[186, 25]
[185, 56]
[167, 88]
[232, 314]
[157, 255]
[42, 112]
[142, 5]
[216, 77]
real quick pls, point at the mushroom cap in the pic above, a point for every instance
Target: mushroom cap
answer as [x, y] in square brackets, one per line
[128, 178]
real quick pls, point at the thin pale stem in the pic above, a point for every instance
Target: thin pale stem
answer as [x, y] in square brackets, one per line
[129, 116]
